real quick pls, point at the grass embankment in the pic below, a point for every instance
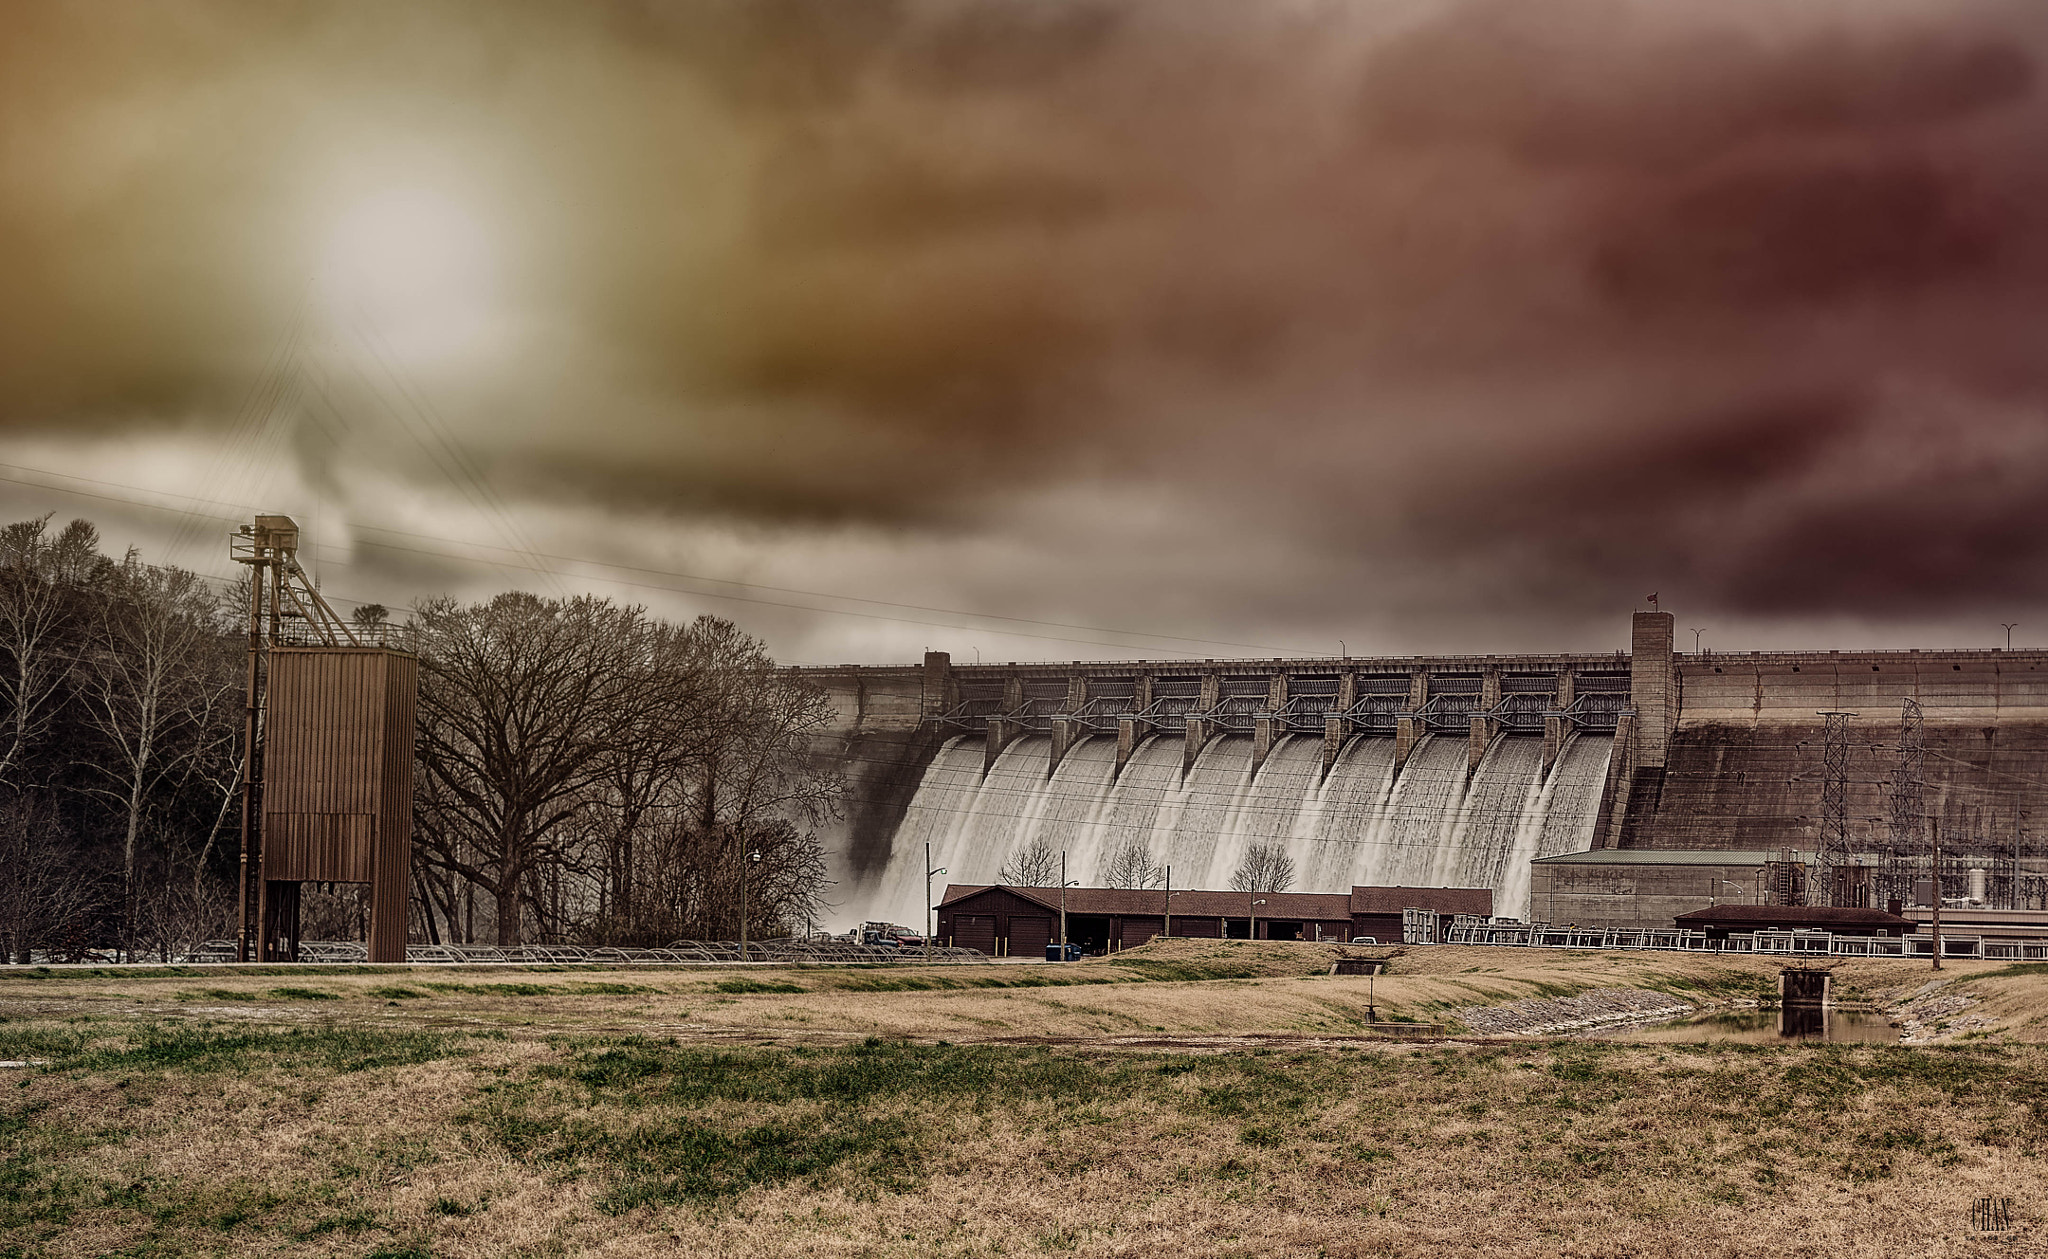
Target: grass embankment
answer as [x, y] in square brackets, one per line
[185, 1139]
[1181, 988]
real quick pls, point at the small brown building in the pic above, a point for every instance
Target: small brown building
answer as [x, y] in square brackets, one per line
[1021, 921]
[1719, 921]
[337, 789]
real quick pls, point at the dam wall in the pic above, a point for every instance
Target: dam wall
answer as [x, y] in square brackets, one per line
[1421, 770]
[1742, 768]
[880, 742]
[1439, 771]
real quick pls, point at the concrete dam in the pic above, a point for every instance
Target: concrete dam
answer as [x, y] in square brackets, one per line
[1434, 770]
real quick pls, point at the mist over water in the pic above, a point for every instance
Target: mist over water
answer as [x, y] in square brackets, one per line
[1432, 825]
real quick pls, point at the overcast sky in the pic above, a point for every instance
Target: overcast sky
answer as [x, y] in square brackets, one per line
[1173, 328]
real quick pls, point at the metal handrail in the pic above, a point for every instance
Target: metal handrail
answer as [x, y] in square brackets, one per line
[1303, 714]
[1595, 710]
[1100, 714]
[1235, 713]
[1447, 713]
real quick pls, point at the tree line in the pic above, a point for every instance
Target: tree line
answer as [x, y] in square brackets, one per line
[1263, 867]
[585, 772]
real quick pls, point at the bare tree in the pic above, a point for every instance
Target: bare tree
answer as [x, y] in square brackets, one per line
[48, 890]
[155, 688]
[1264, 868]
[39, 580]
[173, 917]
[1132, 866]
[716, 774]
[37, 655]
[756, 786]
[1034, 865]
[523, 702]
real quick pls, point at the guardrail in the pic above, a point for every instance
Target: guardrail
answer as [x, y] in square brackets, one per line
[682, 952]
[1796, 943]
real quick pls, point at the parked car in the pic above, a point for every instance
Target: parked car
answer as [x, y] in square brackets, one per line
[1074, 952]
[1364, 940]
[891, 935]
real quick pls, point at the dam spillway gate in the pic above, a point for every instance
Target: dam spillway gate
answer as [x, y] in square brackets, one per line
[1327, 705]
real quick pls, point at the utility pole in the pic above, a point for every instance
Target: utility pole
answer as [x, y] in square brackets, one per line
[1934, 830]
[252, 700]
[1063, 904]
[1167, 931]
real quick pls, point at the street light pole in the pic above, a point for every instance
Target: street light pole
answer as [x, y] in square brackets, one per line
[1167, 931]
[1253, 909]
[752, 857]
[928, 873]
[2009, 628]
[1696, 640]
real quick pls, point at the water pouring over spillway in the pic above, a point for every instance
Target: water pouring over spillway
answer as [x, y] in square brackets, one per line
[1438, 822]
[1436, 770]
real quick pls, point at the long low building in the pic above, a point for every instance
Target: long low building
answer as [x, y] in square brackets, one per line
[1021, 921]
[1634, 887]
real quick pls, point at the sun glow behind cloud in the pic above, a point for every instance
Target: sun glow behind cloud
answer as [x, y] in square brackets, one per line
[418, 268]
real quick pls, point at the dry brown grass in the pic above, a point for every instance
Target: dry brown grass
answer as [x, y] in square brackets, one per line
[685, 1120]
[1176, 988]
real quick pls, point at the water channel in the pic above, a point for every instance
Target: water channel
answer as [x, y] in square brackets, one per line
[1764, 1027]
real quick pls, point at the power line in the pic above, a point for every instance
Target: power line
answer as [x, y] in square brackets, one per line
[542, 556]
[262, 404]
[883, 603]
[471, 479]
[803, 607]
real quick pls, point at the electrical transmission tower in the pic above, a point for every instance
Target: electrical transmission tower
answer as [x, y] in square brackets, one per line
[1829, 882]
[1908, 803]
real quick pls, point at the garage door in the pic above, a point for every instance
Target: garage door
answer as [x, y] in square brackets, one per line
[1199, 928]
[1029, 936]
[975, 931]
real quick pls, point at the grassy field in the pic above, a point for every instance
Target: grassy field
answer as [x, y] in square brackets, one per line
[1187, 1100]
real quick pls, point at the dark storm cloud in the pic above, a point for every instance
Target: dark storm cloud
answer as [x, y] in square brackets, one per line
[1577, 299]
[1804, 232]
[1605, 83]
